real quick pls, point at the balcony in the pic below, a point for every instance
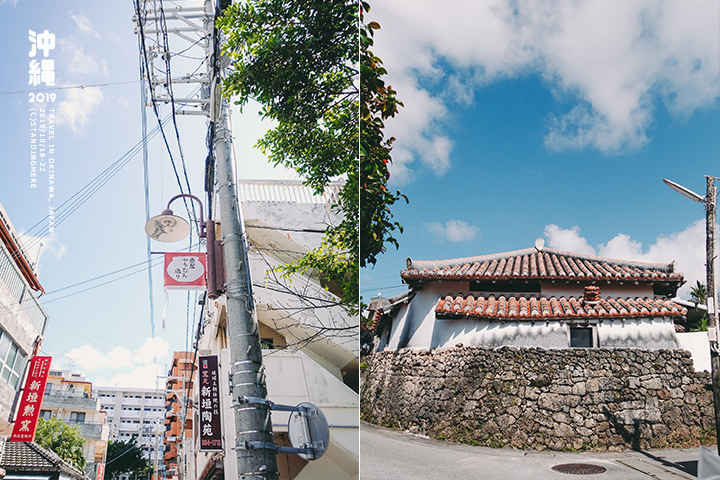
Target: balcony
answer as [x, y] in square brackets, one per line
[73, 401]
[285, 191]
[15, 290]
[92, 431]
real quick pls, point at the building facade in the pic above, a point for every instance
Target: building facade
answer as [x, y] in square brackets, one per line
[532, 298]
[136, 413]
[179, 417]
[70, 397]
[22, 320]
[309, 344]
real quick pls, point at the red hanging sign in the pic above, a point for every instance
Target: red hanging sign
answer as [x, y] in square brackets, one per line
[31, 400]
[100, 471]
[185, 270]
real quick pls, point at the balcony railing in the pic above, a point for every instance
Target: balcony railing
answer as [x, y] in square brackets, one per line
[285, 191]
[93, 431]
[20, 293]
[68, 400]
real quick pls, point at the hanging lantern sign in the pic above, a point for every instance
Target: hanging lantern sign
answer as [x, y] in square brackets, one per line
[185, 271]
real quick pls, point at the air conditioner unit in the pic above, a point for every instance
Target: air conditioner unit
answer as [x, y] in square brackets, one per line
[71, 386]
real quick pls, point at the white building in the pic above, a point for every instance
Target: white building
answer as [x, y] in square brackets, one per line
[310, 345]
[22, 320]
[70, 397]
[136, 413]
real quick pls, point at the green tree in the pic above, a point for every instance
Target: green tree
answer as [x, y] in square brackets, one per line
[699, 292]
[125, 458]
[378, 102]
[300, 61]
[63, 439]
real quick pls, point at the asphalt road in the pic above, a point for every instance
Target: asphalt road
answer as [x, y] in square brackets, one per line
[392, 455]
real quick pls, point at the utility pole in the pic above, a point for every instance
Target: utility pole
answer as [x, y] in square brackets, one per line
[252, 420]
[710, 201]
[254, 442]
[710, 206]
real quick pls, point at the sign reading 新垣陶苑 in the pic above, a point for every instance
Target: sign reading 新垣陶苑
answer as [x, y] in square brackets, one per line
[31, 400]
[210, 425]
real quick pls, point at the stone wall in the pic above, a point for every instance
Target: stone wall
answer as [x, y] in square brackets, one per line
[528, 398]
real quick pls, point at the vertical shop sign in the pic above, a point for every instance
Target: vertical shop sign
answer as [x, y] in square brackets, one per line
[31, 400]
[210, 424]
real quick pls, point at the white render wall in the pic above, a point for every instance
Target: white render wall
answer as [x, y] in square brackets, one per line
[294, 378]
[415, 326]
[699, 347]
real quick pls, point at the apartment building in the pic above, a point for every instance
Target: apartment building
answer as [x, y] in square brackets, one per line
[22, 320]
[70, 397]
[179, 454]
[136, 413]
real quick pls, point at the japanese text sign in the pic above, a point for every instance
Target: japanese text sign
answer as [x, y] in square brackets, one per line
[185, 270]
[42, 71]
[100, 471]
[31, 400]
[210, 425]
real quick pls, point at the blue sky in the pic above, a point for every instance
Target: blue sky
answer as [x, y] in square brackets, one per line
[102, 329]
[550, 119]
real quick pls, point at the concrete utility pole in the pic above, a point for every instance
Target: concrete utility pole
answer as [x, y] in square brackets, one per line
[252, 420]
[710, 207]
[254, 442]
[710, 201]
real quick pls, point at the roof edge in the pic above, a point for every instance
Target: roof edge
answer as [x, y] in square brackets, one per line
[432, 264]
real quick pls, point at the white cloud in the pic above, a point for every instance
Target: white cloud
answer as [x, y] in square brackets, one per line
[609, 64]
[141, 377]
[567, 239]
[153, 348]
[90, 359]
[138, 367]
[76, 109]
[77, 61]
[454, 231]
[84, 25]
[685, 248]
[48, 245]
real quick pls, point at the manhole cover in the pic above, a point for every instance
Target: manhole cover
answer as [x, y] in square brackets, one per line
[579, 468]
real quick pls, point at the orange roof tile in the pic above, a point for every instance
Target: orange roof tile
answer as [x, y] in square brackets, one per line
[543, 308]
[533, 264]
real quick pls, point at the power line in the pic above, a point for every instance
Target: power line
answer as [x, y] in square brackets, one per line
[70, 87]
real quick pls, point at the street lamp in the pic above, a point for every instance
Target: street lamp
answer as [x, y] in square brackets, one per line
[710, 201]
[168, 227]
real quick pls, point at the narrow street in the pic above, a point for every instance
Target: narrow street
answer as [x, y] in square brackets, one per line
[389, 454]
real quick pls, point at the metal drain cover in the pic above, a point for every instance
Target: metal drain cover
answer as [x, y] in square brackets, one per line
[579, 468]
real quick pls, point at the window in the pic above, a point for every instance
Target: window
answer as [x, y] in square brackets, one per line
[12, 360]
[46, 414]
[48, 388]
[581, 337]
[77, 417]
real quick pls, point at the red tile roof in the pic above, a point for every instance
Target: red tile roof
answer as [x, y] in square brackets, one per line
[533, 264]
[543, 308]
